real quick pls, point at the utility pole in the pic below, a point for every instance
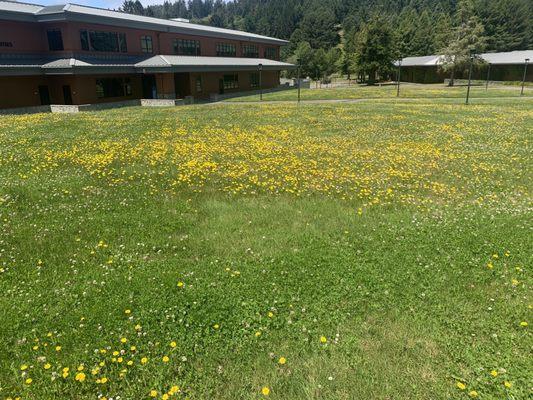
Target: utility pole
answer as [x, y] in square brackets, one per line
[469, 78]
[488, 78]
[298, 78]
[260, 82]
[524, 78]
[398, 77]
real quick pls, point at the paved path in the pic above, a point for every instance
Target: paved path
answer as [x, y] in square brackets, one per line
[335, 101]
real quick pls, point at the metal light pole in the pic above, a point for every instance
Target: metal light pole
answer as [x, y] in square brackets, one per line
[260, 82]
[488, 78]
[524, 78]
[469, 78]
[398, 78]
[298, 78]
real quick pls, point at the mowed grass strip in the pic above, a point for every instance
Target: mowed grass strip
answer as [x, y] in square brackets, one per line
[373, 250]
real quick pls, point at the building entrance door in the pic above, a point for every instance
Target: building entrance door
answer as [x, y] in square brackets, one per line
[221, 86]
[149, 87]
[67, 94]
[44, 95]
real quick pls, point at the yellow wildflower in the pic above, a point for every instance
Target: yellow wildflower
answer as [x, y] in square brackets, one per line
[80, 377]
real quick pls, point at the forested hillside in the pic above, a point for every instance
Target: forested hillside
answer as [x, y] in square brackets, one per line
[420, 24]
[332, 35]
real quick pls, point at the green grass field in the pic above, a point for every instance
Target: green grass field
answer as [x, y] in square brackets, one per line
[378, 250]
[407, 91]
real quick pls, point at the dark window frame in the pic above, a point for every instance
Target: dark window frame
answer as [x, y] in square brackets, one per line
[187, 47]
[231, 81]
[102, 41]
[271, 53]
[147, 44]
[254, 79]
[113, 87]
[199, 84]
[250, 50]
[55, 42]
[226, 49]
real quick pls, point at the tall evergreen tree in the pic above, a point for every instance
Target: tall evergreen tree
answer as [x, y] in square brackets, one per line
[376, 50]
[467, 40]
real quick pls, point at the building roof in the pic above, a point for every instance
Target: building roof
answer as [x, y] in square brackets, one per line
[203, 64]
[506, 58]
[83, 64]
[74, 12]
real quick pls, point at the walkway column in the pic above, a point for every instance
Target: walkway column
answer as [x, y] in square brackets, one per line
[166, 88]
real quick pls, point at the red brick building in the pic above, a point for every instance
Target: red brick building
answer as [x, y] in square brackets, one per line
[72, 54]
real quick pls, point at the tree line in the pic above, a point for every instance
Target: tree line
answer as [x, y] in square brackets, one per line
[364, 37]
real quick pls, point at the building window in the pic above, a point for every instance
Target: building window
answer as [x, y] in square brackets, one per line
[185, 47]
[198, 84]
[146, 44]
[231, 81]
[226, 50]
[103, 41]
[250, 51]
[113, 87]
[55, 40]
[271, 53]
[254, 79]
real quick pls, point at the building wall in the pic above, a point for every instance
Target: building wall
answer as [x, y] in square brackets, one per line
[20, 91]
[22, 37]
[210, 82]
[27, 37]
[419, 74]
[23, 91]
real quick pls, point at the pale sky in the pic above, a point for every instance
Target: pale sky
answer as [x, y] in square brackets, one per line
[95, 3]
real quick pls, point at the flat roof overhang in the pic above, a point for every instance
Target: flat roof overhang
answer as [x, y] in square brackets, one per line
[156, 64]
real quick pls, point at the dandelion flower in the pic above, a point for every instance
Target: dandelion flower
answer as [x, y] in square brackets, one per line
[28, 381]
[282, 360]
[523, 324]
[47, 366]
[127, 312]
[166, 359]
[173, 344]
[153, 393]
[472, 393]
[174, 389]
[494, 373]
[123, 340]
[461, 385]
[270, 314]
[165, 396]
[81, 368]
[23, 367]
[323, 339]
[58, 348]
[144, 360]
[80, 377]
[180, 284]
[265, 390]
[103, 380]
[507, 384]
[216, 326]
